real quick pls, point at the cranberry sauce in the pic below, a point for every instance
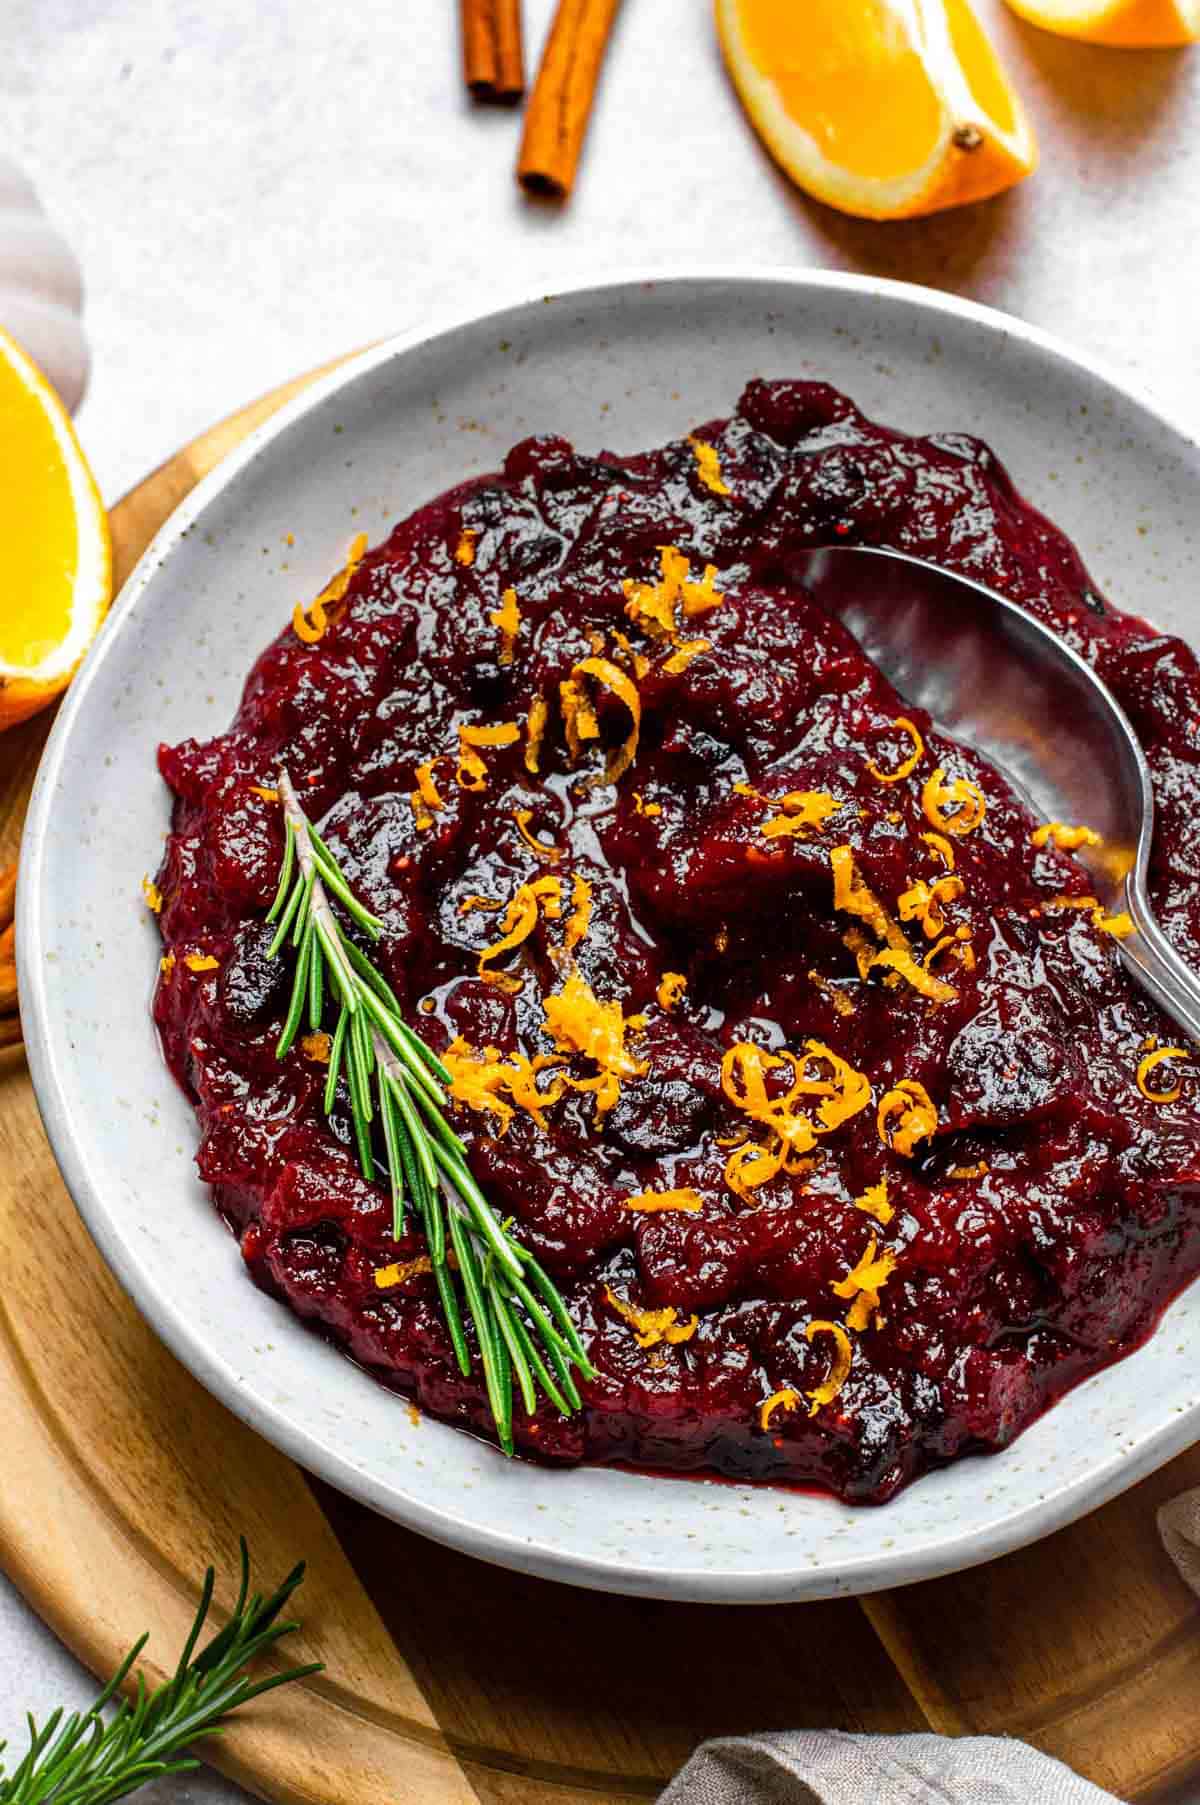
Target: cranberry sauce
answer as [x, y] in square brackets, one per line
[1016, 1233]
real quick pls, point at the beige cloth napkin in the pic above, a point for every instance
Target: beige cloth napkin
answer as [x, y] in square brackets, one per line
[829, 1767]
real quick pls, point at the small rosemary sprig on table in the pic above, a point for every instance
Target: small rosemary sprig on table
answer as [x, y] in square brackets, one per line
[85, 1761]
[524, 1332]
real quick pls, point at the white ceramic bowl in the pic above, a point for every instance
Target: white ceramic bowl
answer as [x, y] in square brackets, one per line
[624, 364]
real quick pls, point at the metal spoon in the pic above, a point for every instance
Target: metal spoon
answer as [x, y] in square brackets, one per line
[992, 676]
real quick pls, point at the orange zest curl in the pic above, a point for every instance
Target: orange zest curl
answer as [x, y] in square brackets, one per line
[201, 962]
[839, 1371]
[310, 622]
[910, 763]
[535, 732]
[924, 903]
[787, 1400]
[579, 1023]
[1148, 1064]
[1120, 925]
[472, 773]
[652, 605]
[854, 896]
[425, 801]
[316, 1047]
[507, 620]
[680, 659]
[1065, 838]
[520, 919]
[489, 1081]
[166, 966]
[652, 1326]
[542, 849]
[964, 799]
[612, 678]
[646, 1202]
[863, 1284]
[580, 917]
[671, 987]
[464, 551]
[152, 896]
[957, 943]
[936, 990]
[642, 807]
[708, 467]
[791, 1134]
[916, 1117]
[941, 849]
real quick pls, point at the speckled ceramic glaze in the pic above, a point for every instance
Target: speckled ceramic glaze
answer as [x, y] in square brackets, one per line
[622, 365]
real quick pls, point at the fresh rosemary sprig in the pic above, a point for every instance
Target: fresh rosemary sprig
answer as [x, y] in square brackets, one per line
[524, 1332]
[86, 1761]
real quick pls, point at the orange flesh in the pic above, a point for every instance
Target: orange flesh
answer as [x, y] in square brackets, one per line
[978, 62]
[846, 73]
[37, 531]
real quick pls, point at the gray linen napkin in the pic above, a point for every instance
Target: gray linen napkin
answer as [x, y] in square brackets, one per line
[830, 1767]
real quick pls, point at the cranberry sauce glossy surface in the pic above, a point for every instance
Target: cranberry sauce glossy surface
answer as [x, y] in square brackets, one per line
[1029, 1236]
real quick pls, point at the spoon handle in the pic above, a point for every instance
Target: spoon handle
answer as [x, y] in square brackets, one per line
[1154, 963]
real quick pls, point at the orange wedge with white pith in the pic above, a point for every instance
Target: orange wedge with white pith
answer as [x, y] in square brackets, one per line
[881, 108]
[1123, 24]
[55, 557]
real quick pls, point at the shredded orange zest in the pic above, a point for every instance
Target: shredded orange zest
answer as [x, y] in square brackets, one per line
[642, 807]
[464, 551]
[652, 605]
[153, 896]
[520, 919]
[399, 1274]
[801, 812]
[652, 1326]
[1120, 925]
[310, 623]
[787, 1399]
[580, 917]
[687, 1200]
[1063, 901]
[472, 772]
[910, 763]
[911, 1103]
[201, 962]
[578, 1022]
[873, 1202]
[708, 466]
[671, 987]
[543, 849]
[863, 1283]
[1067, 839]
[611, 677]
[941, 848]
[425, 801]
[507, 620]
[964, 799]
[535, 732]
[316, 1047]
[267, 795]
[478, 902]
[979, 1170]
[690, 648]
[839, 1372]
[855, 897]
[840, 1001]
[166, 964]
[1147, 1066]
[478, 1079]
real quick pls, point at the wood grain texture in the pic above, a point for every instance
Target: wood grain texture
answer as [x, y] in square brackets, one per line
[448, 1681]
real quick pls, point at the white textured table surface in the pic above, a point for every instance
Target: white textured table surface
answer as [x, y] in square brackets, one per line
[255, 188]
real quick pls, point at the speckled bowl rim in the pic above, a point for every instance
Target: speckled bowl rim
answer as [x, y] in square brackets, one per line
[48, 1050]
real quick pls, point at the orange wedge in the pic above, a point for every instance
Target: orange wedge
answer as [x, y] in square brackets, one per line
[1125, 24]
[883, 108]
[55, 558]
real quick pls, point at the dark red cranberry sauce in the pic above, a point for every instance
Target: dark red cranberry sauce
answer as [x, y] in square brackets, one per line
[1035, 1233]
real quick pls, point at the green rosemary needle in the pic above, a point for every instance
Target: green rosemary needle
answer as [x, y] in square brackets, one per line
[82, 1760]
[395, 1084]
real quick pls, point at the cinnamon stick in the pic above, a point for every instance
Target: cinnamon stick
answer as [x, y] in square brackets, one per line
[493, 64]
[556, 121]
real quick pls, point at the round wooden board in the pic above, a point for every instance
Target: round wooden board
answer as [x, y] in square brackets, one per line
[450, 1681]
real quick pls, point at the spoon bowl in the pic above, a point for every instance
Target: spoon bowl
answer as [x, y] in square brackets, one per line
[992, 676]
